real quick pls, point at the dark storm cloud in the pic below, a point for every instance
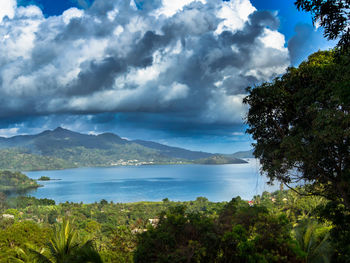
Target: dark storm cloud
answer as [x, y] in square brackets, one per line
[244, 40]
[183, 65]
[96, 76]
[258, 21]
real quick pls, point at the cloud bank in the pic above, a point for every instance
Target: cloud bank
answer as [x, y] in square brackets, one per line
[184, 60]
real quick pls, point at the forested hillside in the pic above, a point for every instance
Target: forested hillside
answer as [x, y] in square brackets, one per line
[15, 182]
[61, 148]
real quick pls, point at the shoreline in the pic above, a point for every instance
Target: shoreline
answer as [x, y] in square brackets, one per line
[247, 161]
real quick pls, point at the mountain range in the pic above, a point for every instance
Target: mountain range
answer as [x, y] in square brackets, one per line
[62, 148]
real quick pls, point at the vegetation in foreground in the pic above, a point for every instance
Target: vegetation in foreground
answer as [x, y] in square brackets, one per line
[274, 227]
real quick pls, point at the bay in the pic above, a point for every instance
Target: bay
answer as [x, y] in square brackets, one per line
[152, 183]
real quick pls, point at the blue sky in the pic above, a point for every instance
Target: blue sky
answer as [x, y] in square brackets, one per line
[172, 71]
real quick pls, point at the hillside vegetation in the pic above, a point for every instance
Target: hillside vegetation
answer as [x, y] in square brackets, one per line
[61, 148]
[15, 181]
[275, 227]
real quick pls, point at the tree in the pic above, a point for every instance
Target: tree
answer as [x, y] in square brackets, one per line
[313, 239]
[121, 245]
[2, 200]
[64, 247]
[333, 15]
[253, 234]
[240, 234]
[15, 237]
[178, 237]
[340, 232]
[301, 125]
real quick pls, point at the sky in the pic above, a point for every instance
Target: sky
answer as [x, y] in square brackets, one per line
[171, 71]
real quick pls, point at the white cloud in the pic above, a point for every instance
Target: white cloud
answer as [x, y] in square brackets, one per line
[116, 58]
[173, 92]
[93, 133]
[234, 14]
[273, 39]
[118, 30]
[8, 132]
[224, 108]
[71, 13]
[7, 8]
[171, 7]
[238, 133]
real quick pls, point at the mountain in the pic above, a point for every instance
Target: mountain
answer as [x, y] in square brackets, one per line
[62, 148]
[47, 141]
[243, 154]
[174, 152]
[220, 159]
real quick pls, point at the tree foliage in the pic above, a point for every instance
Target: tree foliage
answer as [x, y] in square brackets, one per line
[15, 181]
[240, 234]
[64, 247]
[333, 15]
[192, 231]
[301, 125]
[313, 239]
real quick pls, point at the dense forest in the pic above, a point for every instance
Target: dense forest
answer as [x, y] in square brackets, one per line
[274, 227]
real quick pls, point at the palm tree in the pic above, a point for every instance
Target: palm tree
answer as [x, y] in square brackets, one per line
[25, 256]
[64, 247]
[313, 238]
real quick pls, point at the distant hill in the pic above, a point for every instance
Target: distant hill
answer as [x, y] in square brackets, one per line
[174, 152]
[16, 182]
[62, 148]
[48, 141]
[220, 159]
[243, 154]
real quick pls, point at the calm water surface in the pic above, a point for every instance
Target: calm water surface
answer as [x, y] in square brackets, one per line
[153, 183]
